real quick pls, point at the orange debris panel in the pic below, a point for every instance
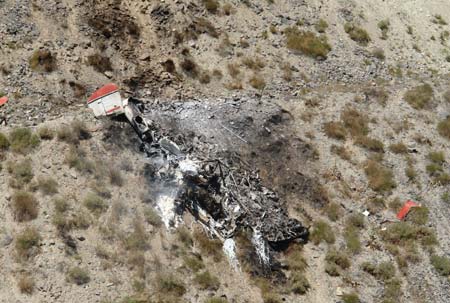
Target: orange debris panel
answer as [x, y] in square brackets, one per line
[406, 209]
[104, 91]
[3, 100]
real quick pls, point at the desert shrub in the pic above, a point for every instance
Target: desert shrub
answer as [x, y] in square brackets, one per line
[26, 284]
[167, 284]
[4, 142]
[209, 247]
[341, 151]
[25, 206]
[78, 275]
[254, 63]
[204, 77]
[307, 43]
[216, 300]
[333, 211]
[42, 61]
[335, 130]
[115, 176]
[22, 172]
[356, 123]
[45, 133]
[336, 261]
[23, 140]
[437, 157]
[296, 261]
[73, 133]
[352, 240]
[392, 290]
[257, 82]
[152, 217]
[398, 148]
[378, 53]
[405, 233]
[441, 264]
[95, 203]
[322, 232]
[444, 128]
[233, 70]
[76, 158]
[438, 19]
[227, 9]
[420, 96]
[206, 280]
[298, 283]
[138, 239]
[211, 5]
[99, 62]
[357, 34]
[194, 263]
[27, 243]
[189, 66]
[384, 26]
[419, 215]
[350, 298]
[371, 144]
[381, 179]
[321, 26]
[47, 185]
[184, 236]
[395, 204]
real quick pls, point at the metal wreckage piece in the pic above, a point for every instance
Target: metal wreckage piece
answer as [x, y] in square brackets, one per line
[223, 194]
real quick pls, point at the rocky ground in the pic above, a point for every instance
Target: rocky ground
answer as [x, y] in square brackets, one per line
[353, 135]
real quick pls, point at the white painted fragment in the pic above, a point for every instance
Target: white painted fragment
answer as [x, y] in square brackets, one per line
[260, 247]
[229, 248]
[165, 204]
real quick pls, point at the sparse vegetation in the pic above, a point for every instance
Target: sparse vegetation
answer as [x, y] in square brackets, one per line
[355, 122]
[167, 284]
[25, 206]
[42, 61]
[99, 62]
[26, 284]
[322, 232]
[206, 280]
[384, 26]
[4, 142]
[23, 140]
[438, 19]
[357, 34]
[333, 211]
[184, 236]
[77, 158]
[95, 203]
[336, 262]
[381, 179]
[78, 275]
[335, 130]
[444, 128]
[420, 96]
[152, 217]
[257, 82]
[211, 6]
[441, 264]
[45, 133]
[27, 243]
[378, 53]
[370, 144]
[307, 43]
[209, 247]
[47, 185]
[350, 298]
[321, 26]
[21, 171]
[398, 148]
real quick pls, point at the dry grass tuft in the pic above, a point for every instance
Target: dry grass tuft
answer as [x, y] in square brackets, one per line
[381, 179]
[4, 142]
[47, 185]
[26, 284]
[211, 6]
[42, 61]
[335, 130]
[22, 172]
[441, 264]
[95, 204]
[78, 275]
[257, 82]
[100, 63]
[207, 281]
[420, 96]
[25, 206]
[357, 34]
[336, 262]
[307, 43]
[46, 133]
[23, 140]
[27, 243]
[322, 232]
[356, 123]
[398, 148]
[444, 128]
[209, 247]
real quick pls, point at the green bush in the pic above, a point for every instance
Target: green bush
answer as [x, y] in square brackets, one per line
[216, 300]
[307, 43]
[167, 284]
[78, 276]
[206, 280]
[22, 172]
[77, 158]
[23, 140]
[336, 261]
[357, 34]
[321, 26]
[419, 96]
[322, 232]
[42, 61]
[441, 264]
[419, 215]
[404, 233]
